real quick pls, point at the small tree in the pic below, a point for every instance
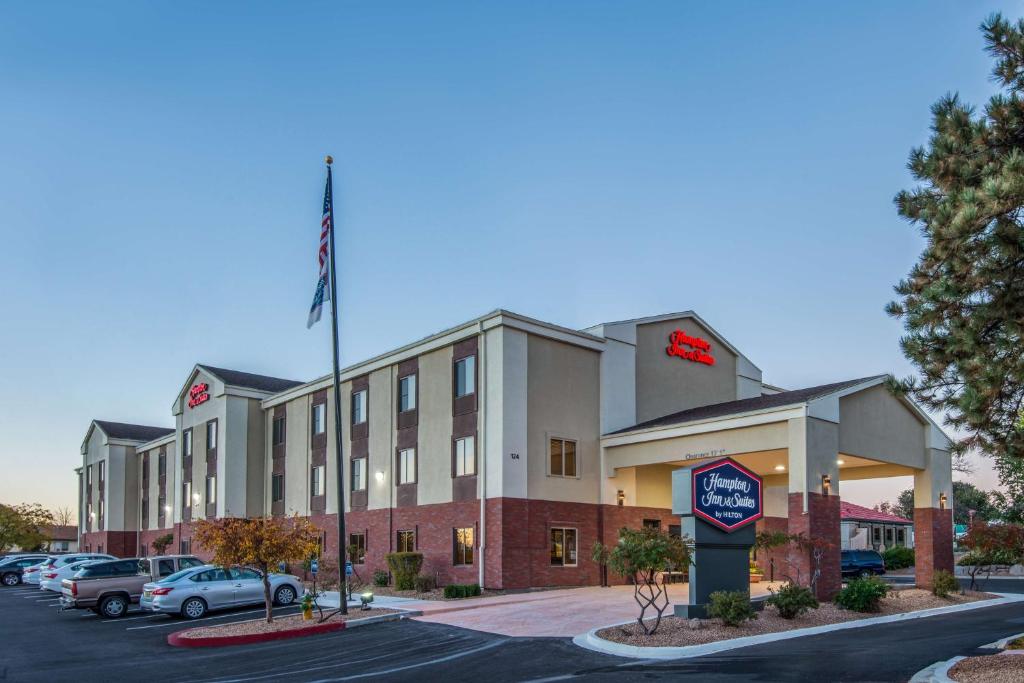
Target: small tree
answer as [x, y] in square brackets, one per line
[261, 543]
[63, 516]
[160, 543]
[640, 555]
[24, 526]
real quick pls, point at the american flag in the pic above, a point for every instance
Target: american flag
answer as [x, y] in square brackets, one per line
[323, 291]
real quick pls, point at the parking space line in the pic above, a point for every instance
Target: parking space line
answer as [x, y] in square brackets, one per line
[193, 621]
[137, 616]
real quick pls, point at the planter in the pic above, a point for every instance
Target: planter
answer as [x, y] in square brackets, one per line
[756, 578]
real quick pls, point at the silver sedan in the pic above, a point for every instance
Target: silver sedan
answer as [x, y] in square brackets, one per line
[194, 591]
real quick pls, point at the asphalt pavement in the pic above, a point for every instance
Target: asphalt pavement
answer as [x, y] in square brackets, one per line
[37, 642]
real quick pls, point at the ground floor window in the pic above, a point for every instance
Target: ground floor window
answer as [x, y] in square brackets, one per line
[357, 548]
[563, 547]
[99, 548]
[901, 536]
[144, 550]
[186, 546]
[652, 523]
[406, 541]
[675, 530]
[463, 545]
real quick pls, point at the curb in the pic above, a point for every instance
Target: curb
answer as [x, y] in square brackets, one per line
[178, 639]
[936, 673]
[591, 641]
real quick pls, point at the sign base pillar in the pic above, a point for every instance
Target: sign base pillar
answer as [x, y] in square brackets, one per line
[722, 564]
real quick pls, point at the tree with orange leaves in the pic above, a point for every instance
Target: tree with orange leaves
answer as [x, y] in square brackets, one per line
[259, 542]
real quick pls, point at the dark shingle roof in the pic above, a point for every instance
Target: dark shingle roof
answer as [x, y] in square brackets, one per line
[251, 381]
[121, 430]
[744, 405]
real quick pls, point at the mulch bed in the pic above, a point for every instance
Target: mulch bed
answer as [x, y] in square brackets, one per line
[290, 623]
[989, 669]
[675, 632]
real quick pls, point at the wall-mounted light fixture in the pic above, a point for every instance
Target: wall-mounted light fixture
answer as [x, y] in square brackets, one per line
[780, 468]
[167, 508]
[620, 497]
[942, 501]
[380, 476]
[840, 461]
[826, 484]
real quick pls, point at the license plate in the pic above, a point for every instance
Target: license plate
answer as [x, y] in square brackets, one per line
[148, 594]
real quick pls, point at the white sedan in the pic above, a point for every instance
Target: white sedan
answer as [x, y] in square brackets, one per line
[34, 574]
[49, 579]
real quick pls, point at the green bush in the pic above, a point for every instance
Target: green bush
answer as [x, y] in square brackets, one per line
[380, 578]
[898, 557]
[425, 583]
[944, 583]
[792, 600]
[997, 556]
[405, 567]
[862, 595]
[456, 590]
[732, 607]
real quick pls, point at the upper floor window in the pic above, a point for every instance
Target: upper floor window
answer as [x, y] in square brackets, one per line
[358, 474]
[465, 376]
[211, 435]
[316, 480]
[88, 475]
[277, 488]
[407, 466]
[102, 467]
[186, 494]
[319, 415]
[465, 456]
[563, 458]
[407, 393]
[359, 407]
[211, 489]
[278, 437]
[186, 443]
[162, 464]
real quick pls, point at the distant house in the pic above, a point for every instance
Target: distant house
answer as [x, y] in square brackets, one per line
[62, 539]
[862, 528]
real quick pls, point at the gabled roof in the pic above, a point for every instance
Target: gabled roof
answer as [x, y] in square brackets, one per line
[248, 380]
[130, 432]
[851, 511]
[746, 405]
[59, 532]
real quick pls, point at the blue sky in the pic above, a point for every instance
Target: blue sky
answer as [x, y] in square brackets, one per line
[575, 161]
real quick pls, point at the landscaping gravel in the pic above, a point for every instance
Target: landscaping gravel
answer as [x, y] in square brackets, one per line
[675, 632]
[291, 623]
[989, 669]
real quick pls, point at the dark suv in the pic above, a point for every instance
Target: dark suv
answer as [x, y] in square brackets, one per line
[862, 563]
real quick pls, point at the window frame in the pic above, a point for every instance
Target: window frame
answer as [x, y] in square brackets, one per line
[317, 474]
[411, 381]
[463, 551]
[358, 539]
[575, 454]
[402, 470]
[186, 443]
[405, 534]
[278, 436]
[456, 457]
[318, 419]
[276, 478]
[359, 400]
[358, 483]
[564, 551]
[469, 376]
[211, 429]
[211, 489]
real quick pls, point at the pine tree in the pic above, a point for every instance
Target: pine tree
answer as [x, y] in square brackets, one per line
[963, 302]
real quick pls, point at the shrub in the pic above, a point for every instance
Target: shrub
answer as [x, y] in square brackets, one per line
[425, 583]
[380, 578]
[456, 590]
[160, 543]
[944, 583]
[732, 607]
[792, 600]
[862, 595]
[995, 556]
[898, 557]
[405, 567]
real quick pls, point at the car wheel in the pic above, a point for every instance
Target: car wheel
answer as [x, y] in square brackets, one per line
[865, 573]
[193, 608]
[11, 579]
[113, 607]
[285, 595]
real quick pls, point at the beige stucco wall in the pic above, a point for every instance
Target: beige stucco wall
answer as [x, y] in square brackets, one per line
[297, 456]
[667, 384]
[563, 401]
[875, 424]
[434, 433]
[380, 494]
[654, 486]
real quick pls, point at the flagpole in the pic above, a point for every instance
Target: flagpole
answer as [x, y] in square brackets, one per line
[342, 575]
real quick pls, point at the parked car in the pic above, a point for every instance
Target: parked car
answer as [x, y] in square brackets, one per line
[861, 563]
[54, 563]
[12, 567]
[108, 588]
[193, 592]
[30, 574]
[50, 578]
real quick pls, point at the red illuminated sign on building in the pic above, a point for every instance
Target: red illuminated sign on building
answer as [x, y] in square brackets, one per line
[199, 393]
[699, 351]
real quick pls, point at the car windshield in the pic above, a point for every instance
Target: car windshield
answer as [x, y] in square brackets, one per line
[176, 575]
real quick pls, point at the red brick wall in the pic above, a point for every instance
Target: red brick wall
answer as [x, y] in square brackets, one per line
[116, 543]
[933, 544]
[821, 521]
[149, 536]
[780, 554]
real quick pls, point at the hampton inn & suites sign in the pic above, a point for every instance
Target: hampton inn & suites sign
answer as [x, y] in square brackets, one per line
[694, 349]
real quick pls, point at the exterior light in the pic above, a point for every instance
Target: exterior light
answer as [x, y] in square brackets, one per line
[620, 497]
[840, 461]
[780, 468]
[942, 501]
[167, 508]
[826, 484]
[195, 497]
[92, 515]
[365, 599]
[380, 476]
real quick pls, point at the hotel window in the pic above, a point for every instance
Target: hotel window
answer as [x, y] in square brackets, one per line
[406, 541]
[358, 474]
[186, 493]
[211, 488]
[407, 466]
[102, 468]
[316, 480]
[162, 465]
[563, 547]
[465, 456]
[359, 407]
[88, 475]
[162, 503]
[652, 523]
[277, 488]
[278, 437]
[563, 458]
[88, 516]
[186, 443]
[319, 413]
[463, 545]
[465, 376]
[407, 393]
[357, 548]
[211, 435]
[186, 546]
[100, 526]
